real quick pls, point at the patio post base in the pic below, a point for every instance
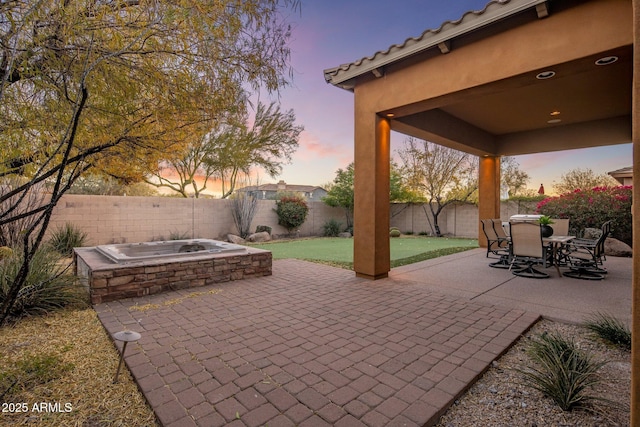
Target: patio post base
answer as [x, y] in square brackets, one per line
[531, 273]
[503, 263]
[583, 274]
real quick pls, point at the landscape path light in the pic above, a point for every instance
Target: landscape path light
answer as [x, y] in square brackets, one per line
[126, 337]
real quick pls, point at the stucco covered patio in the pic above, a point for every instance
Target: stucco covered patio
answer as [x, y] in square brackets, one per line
[519, 77]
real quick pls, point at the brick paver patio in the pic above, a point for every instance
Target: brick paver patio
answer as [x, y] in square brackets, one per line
[311, 345]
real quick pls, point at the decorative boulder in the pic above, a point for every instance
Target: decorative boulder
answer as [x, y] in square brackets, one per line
[346, 235]
[263, 236]
[591, 233]
[261, 228]
[235, 239]
[614, 247]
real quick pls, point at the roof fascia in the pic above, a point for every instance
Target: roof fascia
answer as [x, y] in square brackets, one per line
[337, 77]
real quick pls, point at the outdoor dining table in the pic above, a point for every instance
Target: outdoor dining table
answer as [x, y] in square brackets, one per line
[556, 243]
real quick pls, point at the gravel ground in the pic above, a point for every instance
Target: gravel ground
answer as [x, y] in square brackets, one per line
[500, 399]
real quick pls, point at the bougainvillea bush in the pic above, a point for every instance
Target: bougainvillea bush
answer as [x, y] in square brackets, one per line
[292, 212]
[591, 208]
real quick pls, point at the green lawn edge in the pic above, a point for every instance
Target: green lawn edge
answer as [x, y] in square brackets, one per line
[417, 257]
[398, 262]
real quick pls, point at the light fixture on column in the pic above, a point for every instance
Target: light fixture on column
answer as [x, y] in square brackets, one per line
[555, 117]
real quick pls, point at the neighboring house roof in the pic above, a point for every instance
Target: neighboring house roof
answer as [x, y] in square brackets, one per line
[441, 37]
[622, 173]
[282, 186]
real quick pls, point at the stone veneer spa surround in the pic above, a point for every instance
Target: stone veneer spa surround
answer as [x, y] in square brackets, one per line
[109, 281]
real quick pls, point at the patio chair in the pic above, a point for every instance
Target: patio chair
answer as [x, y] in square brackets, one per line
[585, 256]
[605, 228]
[499, 229]
[527, 248]
[496, 245]
[560, 226]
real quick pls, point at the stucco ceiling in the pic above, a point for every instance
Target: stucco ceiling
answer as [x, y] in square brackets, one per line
[580, 91]
[519, 109]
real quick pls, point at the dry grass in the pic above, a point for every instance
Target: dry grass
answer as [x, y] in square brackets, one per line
[173, 301]
[77, 340]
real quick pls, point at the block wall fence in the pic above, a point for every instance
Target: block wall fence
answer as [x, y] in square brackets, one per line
[124, 219]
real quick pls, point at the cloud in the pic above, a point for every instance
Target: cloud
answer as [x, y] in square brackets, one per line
[311, 148]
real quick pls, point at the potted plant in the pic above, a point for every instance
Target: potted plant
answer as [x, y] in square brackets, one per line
[545, 227]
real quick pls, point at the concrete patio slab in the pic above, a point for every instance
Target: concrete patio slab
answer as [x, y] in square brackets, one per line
[314, 345]
[466, 274]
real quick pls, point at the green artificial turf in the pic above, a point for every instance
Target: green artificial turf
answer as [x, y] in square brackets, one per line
[339, 251]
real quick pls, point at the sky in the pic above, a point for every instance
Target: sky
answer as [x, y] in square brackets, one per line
[328, 33]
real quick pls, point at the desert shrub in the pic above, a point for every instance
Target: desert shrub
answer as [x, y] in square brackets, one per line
[331, 228]
[179, 235]
[591, 208]
[609, 329]
[292, 212]
[64, 239]
[262, 228]
[528, 198]
[243, 209]
[5, 252]
[394, 232]
[14, 207]
[31, 371]
[562, 371]
[49, 285]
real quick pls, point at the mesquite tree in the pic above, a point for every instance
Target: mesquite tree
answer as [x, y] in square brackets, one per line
[231, 149]
[441, 174]
[113, 85]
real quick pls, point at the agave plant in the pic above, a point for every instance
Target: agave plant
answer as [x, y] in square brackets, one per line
[49, 284]
[562, 371]
[610, 329]
[64, 239]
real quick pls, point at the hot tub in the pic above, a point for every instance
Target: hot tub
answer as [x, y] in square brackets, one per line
[112, 272]
[133, 252]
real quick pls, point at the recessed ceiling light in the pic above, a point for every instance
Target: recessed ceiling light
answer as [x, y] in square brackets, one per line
[555, 113]
[607, 60]
[553, 121]
[545, 75]
[390, 114]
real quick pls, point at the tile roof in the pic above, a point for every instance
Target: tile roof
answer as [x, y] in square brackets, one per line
[288, 187]
[494, 11]
[627, 170]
